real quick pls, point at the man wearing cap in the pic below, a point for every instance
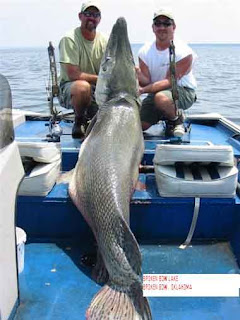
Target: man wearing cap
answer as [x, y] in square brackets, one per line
[81, 51]
[155, 78]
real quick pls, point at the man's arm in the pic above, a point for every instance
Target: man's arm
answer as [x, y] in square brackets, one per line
[143, 73]
[183, 67]
[74, 73]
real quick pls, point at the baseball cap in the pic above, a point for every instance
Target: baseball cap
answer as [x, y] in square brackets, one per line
[88, 4]
[167, 12]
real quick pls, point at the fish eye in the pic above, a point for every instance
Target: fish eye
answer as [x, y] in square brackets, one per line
[104, 66]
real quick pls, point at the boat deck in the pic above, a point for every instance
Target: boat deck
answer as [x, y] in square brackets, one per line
[56, 285]
[55, 215]
[213, 132]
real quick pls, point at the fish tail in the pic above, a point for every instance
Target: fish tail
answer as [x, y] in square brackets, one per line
[112, 304]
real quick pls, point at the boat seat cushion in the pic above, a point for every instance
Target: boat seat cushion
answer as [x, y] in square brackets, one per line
[195, 171]
[205, 154]
[196, 181]
[45, 152]
[40, 179]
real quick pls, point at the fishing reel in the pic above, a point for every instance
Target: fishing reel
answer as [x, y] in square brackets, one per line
[55, 131]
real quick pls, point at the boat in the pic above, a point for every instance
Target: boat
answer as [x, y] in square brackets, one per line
[186, 216]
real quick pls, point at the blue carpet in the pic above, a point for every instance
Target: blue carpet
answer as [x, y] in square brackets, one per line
[55, 285]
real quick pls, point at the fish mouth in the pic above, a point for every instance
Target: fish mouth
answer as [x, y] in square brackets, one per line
[118, 44]
[120, 26]
[120, 33]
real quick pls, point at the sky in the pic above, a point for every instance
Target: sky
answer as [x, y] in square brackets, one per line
[32, 23]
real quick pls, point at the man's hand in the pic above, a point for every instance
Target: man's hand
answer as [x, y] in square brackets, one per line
[140, 90]
[142, 79]
[74, 73]
[138, 72]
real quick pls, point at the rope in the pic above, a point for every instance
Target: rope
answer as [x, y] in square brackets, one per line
[193, 224]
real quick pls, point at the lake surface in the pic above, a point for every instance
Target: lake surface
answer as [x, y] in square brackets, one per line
[217, 71]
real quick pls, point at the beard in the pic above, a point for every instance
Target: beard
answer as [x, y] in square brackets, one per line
[91, 25]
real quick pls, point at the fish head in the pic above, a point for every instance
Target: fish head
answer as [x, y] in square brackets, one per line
[117, 75]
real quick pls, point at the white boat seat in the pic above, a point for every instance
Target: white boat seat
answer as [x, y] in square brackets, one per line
[170, 154]
[195, 171]
[45, 152]
[42, 163]
[40, 180]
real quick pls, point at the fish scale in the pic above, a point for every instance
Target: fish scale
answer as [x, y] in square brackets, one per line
[101, 187]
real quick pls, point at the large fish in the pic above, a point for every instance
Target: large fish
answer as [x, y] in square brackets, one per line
[104, 179]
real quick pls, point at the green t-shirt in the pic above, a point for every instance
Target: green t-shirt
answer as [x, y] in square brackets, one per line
[76, 50]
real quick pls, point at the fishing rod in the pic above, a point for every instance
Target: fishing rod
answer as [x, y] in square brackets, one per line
[53, 89]
[173, 79]
[172, 62]
[55, 130]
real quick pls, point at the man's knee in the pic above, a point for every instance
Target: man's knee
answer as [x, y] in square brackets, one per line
[145, 125]
[162, 100]
[80, 88]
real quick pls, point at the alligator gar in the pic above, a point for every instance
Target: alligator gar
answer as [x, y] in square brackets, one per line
[104, 179]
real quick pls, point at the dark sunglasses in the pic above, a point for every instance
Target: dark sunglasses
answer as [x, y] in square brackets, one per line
[89, 14]
[165, 24]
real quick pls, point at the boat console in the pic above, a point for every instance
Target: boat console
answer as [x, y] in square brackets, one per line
[11, 174]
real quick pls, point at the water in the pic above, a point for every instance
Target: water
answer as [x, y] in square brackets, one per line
[217, 71]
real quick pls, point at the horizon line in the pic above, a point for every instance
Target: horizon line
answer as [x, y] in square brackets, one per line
[132, 43]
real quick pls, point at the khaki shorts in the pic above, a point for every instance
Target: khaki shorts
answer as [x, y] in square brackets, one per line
[150, 114]
[65, 99]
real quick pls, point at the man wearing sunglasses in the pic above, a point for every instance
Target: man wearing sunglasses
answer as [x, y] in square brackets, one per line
[155, 78]
[81, 52]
